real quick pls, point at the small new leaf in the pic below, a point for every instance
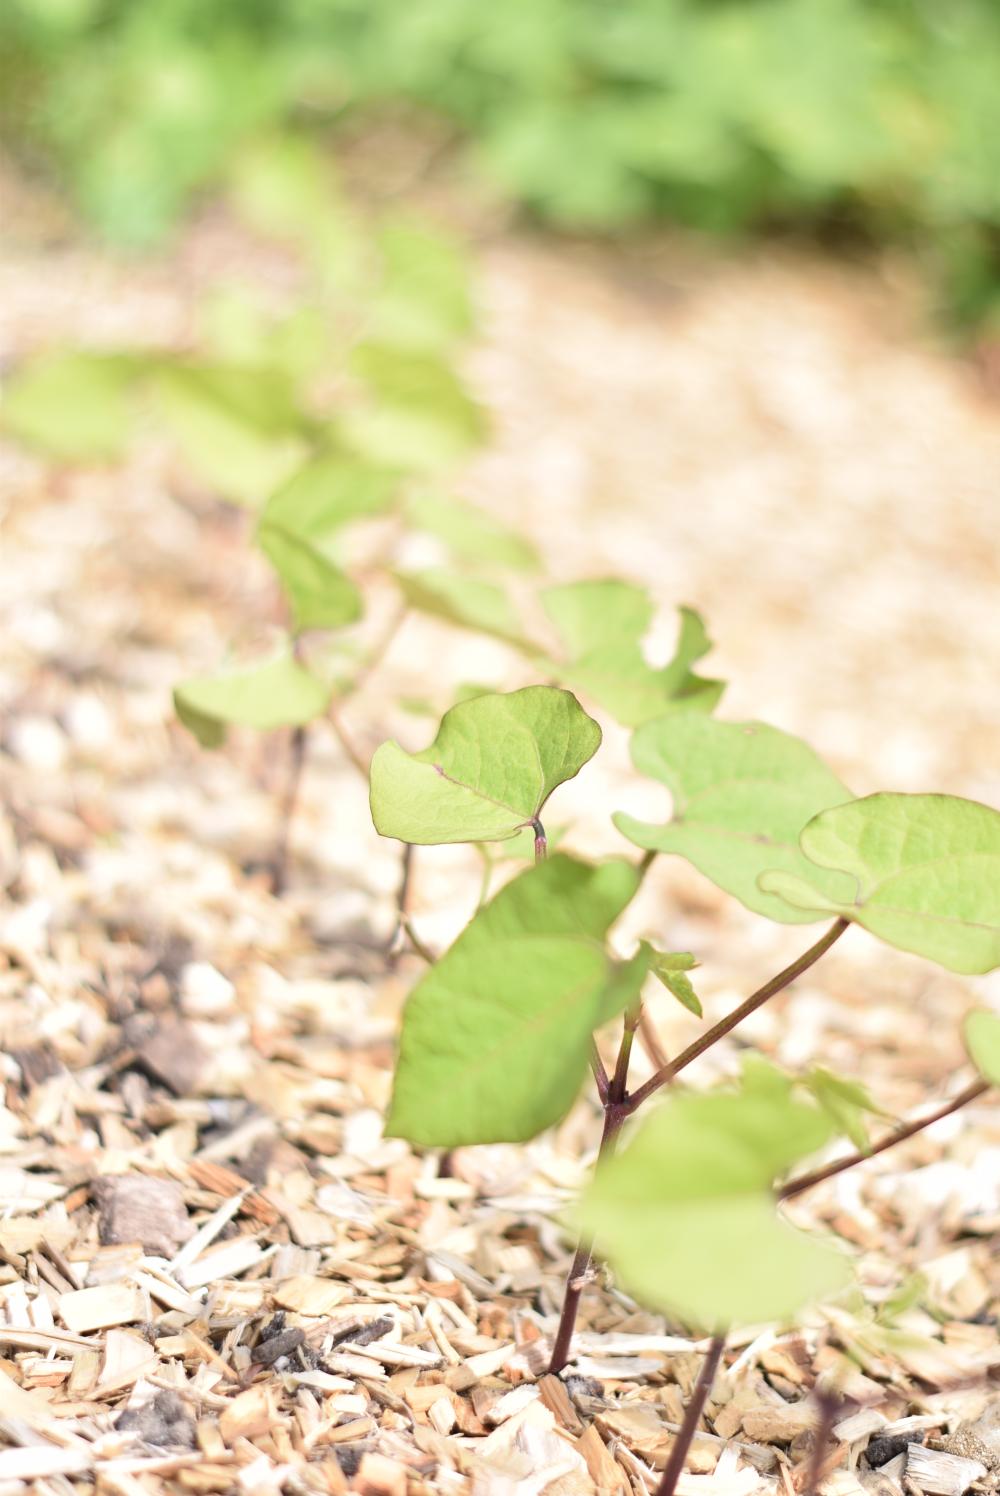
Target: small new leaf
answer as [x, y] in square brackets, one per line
[685, 1214]
[496, 1037]
[278, 692]
[981, 1032]
[494, 763]
[922, 872]
[670, 967]
[845, 1102]
[601, 625]
[742, 793]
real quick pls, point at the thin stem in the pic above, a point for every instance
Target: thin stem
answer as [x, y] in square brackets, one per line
[354, 755]
[692, 1417]
[619, 1081]
[726, 1025]
[403, 891]
[541, 845]
[423, 951]
[829, 1406]
[600, 1074]
[380, 648]
[612, 1094]
[296, 760]
[898, 1135]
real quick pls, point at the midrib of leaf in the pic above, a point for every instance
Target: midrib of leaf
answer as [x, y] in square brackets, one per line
[490, 799]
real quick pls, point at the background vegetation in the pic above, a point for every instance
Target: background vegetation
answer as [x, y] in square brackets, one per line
[873, 117]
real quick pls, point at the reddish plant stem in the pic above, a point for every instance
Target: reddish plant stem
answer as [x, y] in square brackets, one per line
[898, 1135]
[601, 1080]
[541, 844]
[692, 1417]
[726, 1025]
[615, 1114]
[829, 1406]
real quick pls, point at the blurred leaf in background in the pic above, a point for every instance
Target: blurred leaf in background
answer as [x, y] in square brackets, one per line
[881, 115]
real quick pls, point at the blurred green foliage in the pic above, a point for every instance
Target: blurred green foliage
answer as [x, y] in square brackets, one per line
[879, 114]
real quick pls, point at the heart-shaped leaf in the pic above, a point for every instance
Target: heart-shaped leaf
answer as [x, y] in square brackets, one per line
[742, 793]
[601, 625]
[981, 1032]
[494, 763]
[496, 1037]
[922, 872]
[278, 692]
[686, 1213]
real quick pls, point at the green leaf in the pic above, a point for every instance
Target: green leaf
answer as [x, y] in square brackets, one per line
[471, 533]
[496, 1037]
[922, 872]
[278, 692]
[601, 626]
[421, 416]
[319, 594]
[686, 1214]
[286, 189]
[238, 427]
[466, 602]
[669, 967]
[74, 407]
[424, 302]
[845, 1102]
[742, 793]
[491, 768]
[981, 1032]
[329, 492]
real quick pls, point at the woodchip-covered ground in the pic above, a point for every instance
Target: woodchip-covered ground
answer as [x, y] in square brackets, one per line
[215, 1273]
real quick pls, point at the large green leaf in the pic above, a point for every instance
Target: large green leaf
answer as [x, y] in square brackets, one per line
[601, 626]
[981, 1032]
[921, 872]
[496, 1037]
[686, 1213]
[467, 602]
[74, 407]
[471, 533]
[494, 763]
[238, 427]
[278, 692]
[742, 793]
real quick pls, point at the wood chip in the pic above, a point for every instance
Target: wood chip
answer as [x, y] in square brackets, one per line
[941, 1474]
[97, 1308]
